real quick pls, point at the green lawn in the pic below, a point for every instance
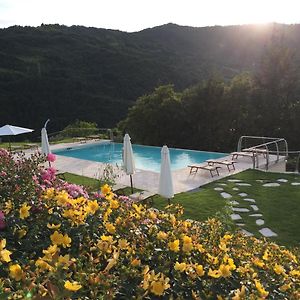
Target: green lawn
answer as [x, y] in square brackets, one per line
[280, 206]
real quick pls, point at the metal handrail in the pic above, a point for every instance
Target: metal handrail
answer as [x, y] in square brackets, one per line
[265, 145]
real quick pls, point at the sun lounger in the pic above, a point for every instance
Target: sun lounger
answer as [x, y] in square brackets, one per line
[227, 163]
[235, 155]
[212, 169]
[142, 196]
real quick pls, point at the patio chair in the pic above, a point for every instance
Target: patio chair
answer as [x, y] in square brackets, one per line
[212, 169]
[251, 154]
[227, 163]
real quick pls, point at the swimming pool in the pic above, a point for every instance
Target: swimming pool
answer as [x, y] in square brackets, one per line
[145, 157]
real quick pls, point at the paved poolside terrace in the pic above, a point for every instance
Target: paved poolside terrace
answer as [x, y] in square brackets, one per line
[183, 181]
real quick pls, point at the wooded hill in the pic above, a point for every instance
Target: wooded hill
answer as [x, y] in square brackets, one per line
[67, 73]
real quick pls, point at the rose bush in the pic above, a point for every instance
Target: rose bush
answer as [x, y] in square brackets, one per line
[59, 243]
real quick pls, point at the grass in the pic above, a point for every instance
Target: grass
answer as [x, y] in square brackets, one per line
[280, 206]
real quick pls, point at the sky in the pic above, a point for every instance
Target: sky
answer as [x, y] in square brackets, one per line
[135, 15]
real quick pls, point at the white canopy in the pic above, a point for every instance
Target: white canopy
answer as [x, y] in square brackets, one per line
[45, 143]
[165, 179]
[13, 130]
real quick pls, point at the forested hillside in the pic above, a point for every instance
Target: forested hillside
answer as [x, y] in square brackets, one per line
[67, 73]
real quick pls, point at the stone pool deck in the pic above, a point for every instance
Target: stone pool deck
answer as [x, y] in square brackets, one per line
[146, 180]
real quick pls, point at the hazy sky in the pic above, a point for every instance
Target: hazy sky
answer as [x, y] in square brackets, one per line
[134, 15]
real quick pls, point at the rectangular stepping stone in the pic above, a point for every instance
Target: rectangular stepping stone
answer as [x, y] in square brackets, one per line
[271, 184]
[282, 180]
[240, 224]
[243, 184]
[245, 232]
[240, 209]
[255, 215]
[234, 202]
[295, 183]
[267, 232]
[254, 207]
[260, 222]
[243, 194]
[234, 180]
[249, 200]
[225, 195]
[235, 217]
[223, 184]
[218, 189]
[236, 189]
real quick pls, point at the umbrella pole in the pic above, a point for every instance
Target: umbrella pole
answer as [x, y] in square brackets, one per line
[131, 184]
[9, 144]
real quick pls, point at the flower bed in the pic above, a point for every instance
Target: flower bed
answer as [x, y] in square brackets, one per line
[56, 242]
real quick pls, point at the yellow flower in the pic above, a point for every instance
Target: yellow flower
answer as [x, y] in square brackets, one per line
[53, 226]
[72, 286]
[200, 248]
[278, 269]
[136, 262]
[8, 206]
[187, 247]
[239, 294]
[225, 270]
[258, 262]
[199, 270]
[4, 253]
[93, 206]
[260, 288]
[43, 265]
[186, 239]
[15, 272]
[105, 189]
[152, 215]
[285, 287]
[214, 273]
[266, 255]
[22, 233]
[56, 238]
[114, 204]
[66, 242]
[227, 237]
[159, 286]
[24, 211]
[110, 228]
[295, 273]
[123, 244]
[174, 246]
[180, 266]
[62, 198]
[162, 235]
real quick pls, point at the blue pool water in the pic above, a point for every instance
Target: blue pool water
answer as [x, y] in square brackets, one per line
[145, 157]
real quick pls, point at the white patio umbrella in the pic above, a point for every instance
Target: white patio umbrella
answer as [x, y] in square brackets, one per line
[8, 130]
[44, 137]
[128, 161]
[165, 189]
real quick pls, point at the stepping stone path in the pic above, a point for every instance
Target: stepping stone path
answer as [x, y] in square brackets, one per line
[226, 195]
[254, 207]
[267, 232]
[235, 217]
[234, 202]
[260, 222]
[295, 183]
[271, 184]
[249, 200]
[240, 209]
[218, 189]
[243, 194]
[282, 180]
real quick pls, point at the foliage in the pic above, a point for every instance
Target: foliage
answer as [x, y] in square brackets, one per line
[78, 129]
[58, 246]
